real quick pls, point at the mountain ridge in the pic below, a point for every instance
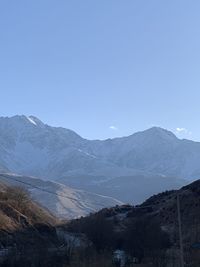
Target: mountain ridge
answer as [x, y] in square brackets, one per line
[114, 167]
[22, 134]
[37, 122]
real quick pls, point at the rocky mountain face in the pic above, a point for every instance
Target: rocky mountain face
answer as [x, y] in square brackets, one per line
[30, 147]
[128, 168]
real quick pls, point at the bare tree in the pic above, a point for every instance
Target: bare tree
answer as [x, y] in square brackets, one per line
[19, 195]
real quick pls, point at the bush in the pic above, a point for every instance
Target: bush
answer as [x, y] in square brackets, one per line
[3, 220]
[20, 195]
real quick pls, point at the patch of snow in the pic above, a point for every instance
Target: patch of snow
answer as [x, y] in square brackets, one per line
[32, 121]
[87, 154]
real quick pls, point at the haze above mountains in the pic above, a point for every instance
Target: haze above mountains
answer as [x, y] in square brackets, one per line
[129, 169]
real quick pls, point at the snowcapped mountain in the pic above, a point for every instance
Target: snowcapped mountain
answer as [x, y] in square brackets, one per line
[155, 150]
[116, 167]
[62, 201]
[30, 147]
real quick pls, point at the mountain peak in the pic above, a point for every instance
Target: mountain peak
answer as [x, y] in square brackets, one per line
[160, 132]
[26, 119]
[34, 120]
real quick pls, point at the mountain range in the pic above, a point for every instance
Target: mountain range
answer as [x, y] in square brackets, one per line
[127, 168]
[30, 147]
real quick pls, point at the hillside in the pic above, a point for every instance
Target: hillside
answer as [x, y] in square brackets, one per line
[137, 227]
[60, 200]
[18, 210]
[23, 221]
[129, 189]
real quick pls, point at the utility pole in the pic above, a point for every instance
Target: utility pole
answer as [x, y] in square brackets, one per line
[180, 232]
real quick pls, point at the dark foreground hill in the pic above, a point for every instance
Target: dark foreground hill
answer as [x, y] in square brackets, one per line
[150, 232]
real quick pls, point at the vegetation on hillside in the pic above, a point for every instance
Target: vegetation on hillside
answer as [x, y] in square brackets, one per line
[17, 210]
[148, 234]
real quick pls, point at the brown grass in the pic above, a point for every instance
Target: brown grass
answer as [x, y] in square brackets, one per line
[18, 210]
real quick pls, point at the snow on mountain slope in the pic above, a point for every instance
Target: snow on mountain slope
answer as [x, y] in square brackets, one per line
[31, 148]
[61, 200]
[155, 150]
[40, 150]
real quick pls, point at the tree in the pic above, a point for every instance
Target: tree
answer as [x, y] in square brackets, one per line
[145, 239]
[99, 230]
[19, 195]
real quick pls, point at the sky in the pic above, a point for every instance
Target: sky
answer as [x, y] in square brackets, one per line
[102, 68]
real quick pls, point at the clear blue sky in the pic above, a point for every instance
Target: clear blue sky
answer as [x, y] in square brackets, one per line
[88, 65]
